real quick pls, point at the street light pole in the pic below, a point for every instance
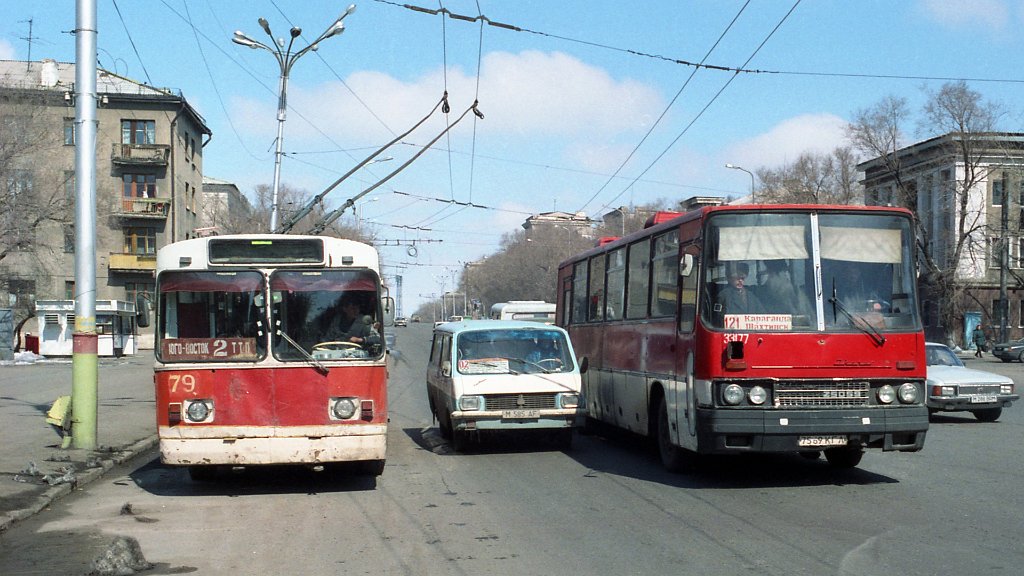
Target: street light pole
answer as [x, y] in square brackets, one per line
[286, 59]
[735, 167]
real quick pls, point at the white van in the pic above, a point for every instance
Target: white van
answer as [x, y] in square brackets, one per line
[487, 376]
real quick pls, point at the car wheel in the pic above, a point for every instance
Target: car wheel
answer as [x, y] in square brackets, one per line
[844, 457]
[1020, 357]
[988, 414]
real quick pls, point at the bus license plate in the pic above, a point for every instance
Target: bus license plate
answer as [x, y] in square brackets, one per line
[519, 414]
[817, 441]
[983, 399]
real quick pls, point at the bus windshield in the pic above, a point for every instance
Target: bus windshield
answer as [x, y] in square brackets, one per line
[211, 316]
[326, 314]
[804, 272]
[513, 351]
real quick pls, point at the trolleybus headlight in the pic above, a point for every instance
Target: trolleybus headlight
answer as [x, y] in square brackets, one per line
[886, 394]
[198, 410]
[470, 403]
[757, 395]
[908, 393]
[343, 408]
[733, 394]
[570, 400]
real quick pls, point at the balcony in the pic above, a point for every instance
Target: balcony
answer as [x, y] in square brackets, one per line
[151, 208]
[140, 154]
[133, 262]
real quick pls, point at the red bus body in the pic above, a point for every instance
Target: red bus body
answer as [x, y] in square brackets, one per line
[677, 366]
[305, 397]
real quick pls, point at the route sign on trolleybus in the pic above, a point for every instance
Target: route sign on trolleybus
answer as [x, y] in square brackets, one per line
[734, 329]
[268, 351]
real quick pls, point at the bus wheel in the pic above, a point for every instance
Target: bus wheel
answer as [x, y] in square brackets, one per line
[988, 414]
[844, 457]
[673, 458]
[202, 473]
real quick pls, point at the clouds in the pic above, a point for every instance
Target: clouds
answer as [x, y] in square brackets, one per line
[994, 15]
[818, 133]
[7, 50]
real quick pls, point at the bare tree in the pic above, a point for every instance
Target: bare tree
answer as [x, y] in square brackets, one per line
[966, 123]
[813, 179]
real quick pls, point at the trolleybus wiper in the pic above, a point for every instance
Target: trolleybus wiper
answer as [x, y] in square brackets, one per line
[319, 366]
[857, 321]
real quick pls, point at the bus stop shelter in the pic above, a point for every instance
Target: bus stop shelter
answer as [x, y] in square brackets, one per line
[115, 327]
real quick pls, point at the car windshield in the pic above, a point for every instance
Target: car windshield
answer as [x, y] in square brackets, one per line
[942, 356]
[513, 352]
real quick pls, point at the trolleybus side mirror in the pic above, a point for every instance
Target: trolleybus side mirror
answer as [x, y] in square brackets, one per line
[141, 311]
[388, 305]
[686, 265]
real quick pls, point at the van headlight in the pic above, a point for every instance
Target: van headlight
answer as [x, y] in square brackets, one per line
[569, 400]
[470, 403]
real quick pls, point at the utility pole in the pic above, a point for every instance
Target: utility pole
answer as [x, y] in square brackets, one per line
[1004, 257]
[84, 364]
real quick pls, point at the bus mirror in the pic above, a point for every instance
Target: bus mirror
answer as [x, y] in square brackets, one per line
[141, 311]
[258, 300]
[686, 265]
[584, 365]
[388, 305]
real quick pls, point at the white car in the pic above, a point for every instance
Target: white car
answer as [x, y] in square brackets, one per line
[953, 387]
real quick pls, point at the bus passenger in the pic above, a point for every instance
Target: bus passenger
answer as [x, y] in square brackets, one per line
[735, 298]
[780, 296]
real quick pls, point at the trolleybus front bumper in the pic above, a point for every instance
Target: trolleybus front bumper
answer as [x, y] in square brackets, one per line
[730, 431]
[195, 446]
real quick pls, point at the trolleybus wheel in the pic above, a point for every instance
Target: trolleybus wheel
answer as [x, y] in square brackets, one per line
[844, 457]
[202, 473]
[370, 468]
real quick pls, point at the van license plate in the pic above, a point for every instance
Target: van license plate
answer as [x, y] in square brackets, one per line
[822, 441]
[519, 414]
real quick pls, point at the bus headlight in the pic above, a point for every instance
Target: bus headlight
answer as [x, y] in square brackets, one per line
[343, 408]
[757, 395]
[908, 393]
[570, 400]
[470, 403]
[732, 394]
[886, 394]
[198, 410]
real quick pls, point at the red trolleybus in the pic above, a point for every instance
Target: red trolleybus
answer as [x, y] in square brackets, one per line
[268, 351]
[734, 329]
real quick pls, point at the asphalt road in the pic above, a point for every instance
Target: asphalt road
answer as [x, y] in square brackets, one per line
[524, 507]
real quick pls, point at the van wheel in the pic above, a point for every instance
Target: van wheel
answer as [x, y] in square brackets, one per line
[988, 414]
[563, 439]
[673, 458]
[202, 473]
[460, 440]
[444, 424]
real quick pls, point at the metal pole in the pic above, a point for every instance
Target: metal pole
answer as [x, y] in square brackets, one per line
[1004, 257]
[84, 365]
[282, 107]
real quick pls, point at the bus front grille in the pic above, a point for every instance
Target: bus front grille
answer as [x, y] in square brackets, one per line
[825, 394]
[519, 401]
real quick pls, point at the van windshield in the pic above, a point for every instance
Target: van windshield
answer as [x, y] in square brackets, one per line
[519, 351]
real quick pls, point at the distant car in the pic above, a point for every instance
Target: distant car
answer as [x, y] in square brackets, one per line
[952, 387]
[414, 318]
[400, 321]
[1010, 351]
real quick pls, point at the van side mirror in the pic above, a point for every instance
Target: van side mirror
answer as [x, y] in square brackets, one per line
[584, 365]
[446, 368]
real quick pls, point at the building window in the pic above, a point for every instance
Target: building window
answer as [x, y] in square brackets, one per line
[69, 239]
[138, 131]
[24, 290]
[999, 189]
[140, 240]
[69, 131]
[139, 185]
[132, 291]
[18, 194]
[69, 289]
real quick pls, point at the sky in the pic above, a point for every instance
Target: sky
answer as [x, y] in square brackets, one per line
[586, 106]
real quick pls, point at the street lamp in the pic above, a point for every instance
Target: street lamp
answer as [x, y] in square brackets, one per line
[355, 210]
[285, 59]
[735, 167]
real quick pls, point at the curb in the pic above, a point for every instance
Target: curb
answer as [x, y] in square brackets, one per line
[84, 477]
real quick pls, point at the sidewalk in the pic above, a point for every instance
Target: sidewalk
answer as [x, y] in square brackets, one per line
[34, 470]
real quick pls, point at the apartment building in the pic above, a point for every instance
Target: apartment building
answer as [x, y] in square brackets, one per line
[149, 181]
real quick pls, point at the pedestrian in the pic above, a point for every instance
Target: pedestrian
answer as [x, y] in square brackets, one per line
[978, 337]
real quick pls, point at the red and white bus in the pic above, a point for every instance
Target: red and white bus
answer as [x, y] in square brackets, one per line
[732, 329]
[255, 361]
